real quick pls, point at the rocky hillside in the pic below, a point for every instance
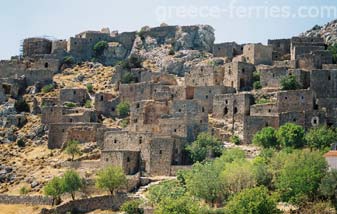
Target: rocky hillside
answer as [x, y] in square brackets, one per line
[327, 31]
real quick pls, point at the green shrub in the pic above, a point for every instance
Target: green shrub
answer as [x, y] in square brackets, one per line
[90, 88]
[47, 88]
[235, 139]
[266, 138]
[289, 83]
[70, 105]
[333, 50]
[124, 123]
[128, 77]
[68, 60]
[257, 85]
[24, 190]
[291, 135]
[262, 101]
[132, 207]
[99, 47]
[321, 137]
[72, 148]
[20, 105]
[171, 52]
[21, 143]
[123, 109]
[87, 104]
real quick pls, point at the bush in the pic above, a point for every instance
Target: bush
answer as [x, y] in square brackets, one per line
[266, 138]
[321, 137]
[21, 143]
[72, 148]
[257, 85]
[333, 50]
[54, 188]
[128, 77]
[124, 123]
[71, 182]
[182, 205]
[47, 88]
[132, 207]
[90, 88]
[253, 201]
[111, 178]
[289, 83]
[69, 60]
[299, 175]
[291, 135]
[87, 104]
[123, 109]
[166, 189]
[262, 101]
[21, 106]
[99, 47]
[205, 146]
[171, 52]
[24, 190]
[235, 139]
[70, 105]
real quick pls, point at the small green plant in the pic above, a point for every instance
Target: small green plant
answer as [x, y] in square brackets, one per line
[90, 88]
[24, 190]
[124, 123]
[21, 143]
[333, 50]
[99, 47]
[128, 77]
[289, 83]
[171, 52]
[70, 105]
[69, 60]
[132, 207]
[235, 139]
[87, 104]
[73, 149]
[21, 106]
[262, 101]
[123, 109]
[257, 85]
[47, 88]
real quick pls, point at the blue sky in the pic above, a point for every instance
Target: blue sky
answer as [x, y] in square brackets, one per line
[64, 18]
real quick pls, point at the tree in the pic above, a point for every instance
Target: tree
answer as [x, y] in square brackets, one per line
[132, 207]
[99, 48]
[266, 138]
[203, 181]
[291, 135]
[123, 109]
[111, 178]
[182, 205]
[321, 137]
[237, 176]
[128, 77]
[289, 83]
[263, 174]
[20, 105]
[299, 175]
[54, 189]
[328, 186]
[166, 189]
[333, 50]
[73, 149]
[205, 146]
[252, 201]
[235, 140]
[71, 182]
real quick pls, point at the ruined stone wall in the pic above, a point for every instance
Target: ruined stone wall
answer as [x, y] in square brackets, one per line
[203, 75]
[294, 101]
[281, 47]
[59, 45]
[168, 92]
[253, 124]
[106, 103]
[302, 50]
[127, 160]
[271, 77]
[161, 150]
[227, 49]
[28, 200]
[75, 95]
[135, 92]
[239, 75]
[270, 110]
[323, 83]
[58, 133]
[258, 54]
[33, 46]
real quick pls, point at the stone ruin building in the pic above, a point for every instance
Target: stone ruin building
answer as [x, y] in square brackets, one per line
[168, 111]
